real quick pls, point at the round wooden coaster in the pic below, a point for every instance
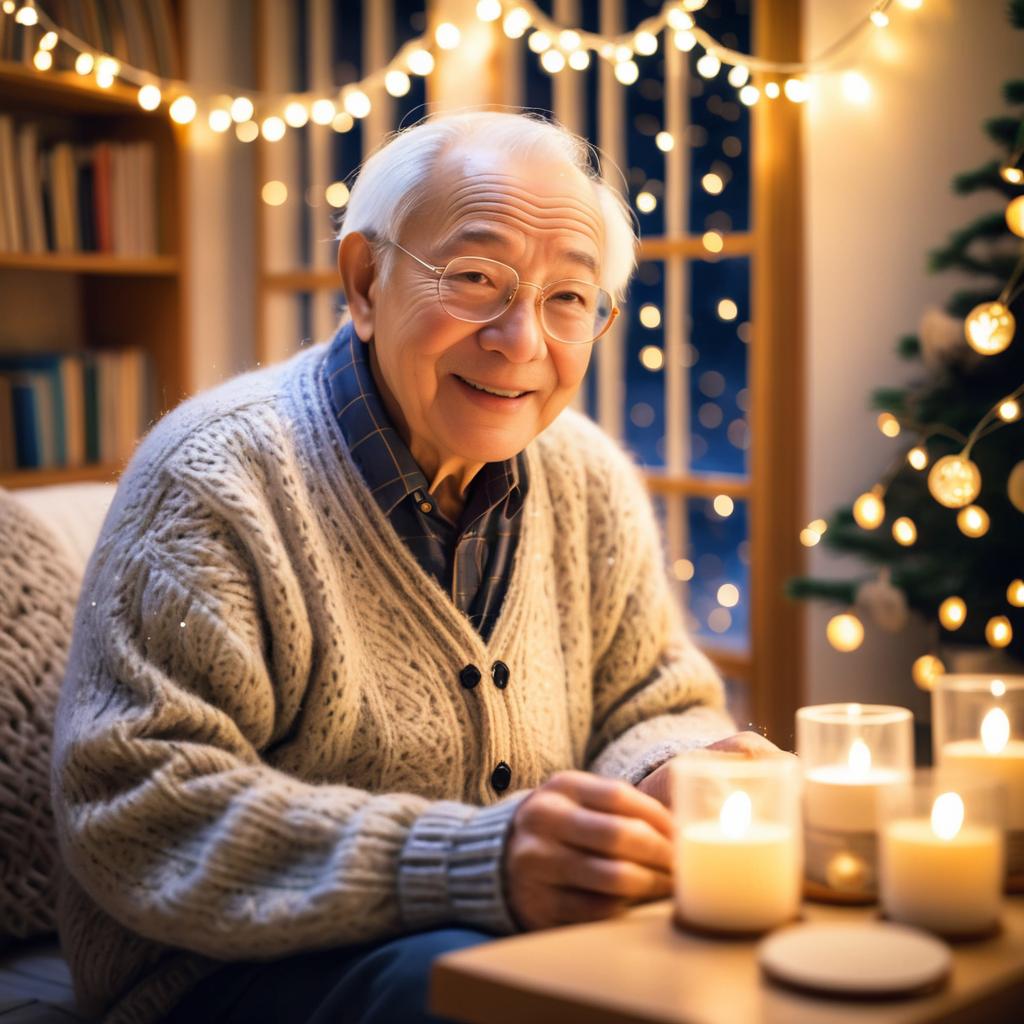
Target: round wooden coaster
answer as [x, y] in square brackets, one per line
[861, 960]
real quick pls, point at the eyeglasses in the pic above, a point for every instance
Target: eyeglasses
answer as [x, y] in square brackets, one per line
[478, 290]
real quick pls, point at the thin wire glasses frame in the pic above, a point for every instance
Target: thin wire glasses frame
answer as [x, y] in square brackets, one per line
[543, 290]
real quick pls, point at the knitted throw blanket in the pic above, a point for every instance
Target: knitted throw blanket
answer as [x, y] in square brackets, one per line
[266, 742]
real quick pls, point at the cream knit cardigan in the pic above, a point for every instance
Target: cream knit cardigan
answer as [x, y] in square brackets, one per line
[262, 745]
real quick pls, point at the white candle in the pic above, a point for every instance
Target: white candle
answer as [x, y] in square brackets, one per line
[735, 874]
[941, 874]
[995, 757]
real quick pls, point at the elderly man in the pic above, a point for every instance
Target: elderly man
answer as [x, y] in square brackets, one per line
[375, 657]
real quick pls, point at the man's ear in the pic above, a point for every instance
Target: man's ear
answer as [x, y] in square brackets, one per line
[359, 279]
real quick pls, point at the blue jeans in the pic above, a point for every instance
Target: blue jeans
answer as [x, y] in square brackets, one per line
[383, 983]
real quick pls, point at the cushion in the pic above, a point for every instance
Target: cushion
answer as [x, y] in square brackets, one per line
[39, 587]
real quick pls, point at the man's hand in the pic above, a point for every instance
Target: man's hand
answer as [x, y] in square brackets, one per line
[583, 848]
[658, 784]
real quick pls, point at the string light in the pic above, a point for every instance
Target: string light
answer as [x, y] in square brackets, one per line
[989, 328]
[149, 97]
[1015, 593]
[219, 120]
[728, 595]
[488, 10]
[552, 61]
[43, 60]
[106, 71]
[627, 72]
[856, 88]
[926, 671]
[869, 510]
[952, 613]
[274, 193]
[771, 90]
[323, 111]
[712, 184]
[749, 95]
[904, 531]
[516, 22]
[84, 63]
[796, 90]
[708, 66]
[421, 62]
[183, 110]
[1012, 175]
[247, 131]
[579, 60]
[1015, 216]
[356, 103]
[569, 40]
[712, 242]
[879, 19]
[49, 40]
[27, 16]
[973, 521]
[397, 83]
[809, 537]
[646, 202]
[954, 481]
[738, 76]
[998, 631]
[845, 632]
[337, 194]
[684, 40]
[664, 141]
[539, 41]
[888, 424]
[296, 114]
[723, 505]
[645, 43]
[447, 35]
[1009, 410]
[918, 457]
[272, 129]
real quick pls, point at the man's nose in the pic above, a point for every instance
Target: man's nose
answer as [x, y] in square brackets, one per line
[518, 333]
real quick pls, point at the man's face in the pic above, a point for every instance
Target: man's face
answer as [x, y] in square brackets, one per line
[540, 219]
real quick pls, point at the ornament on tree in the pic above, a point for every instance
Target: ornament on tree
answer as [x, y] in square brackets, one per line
[952, 613]
[869, 510]
[886, 604]
[1015, 486]
[1015, 216]
[941, 337]
[998, 631]
[989, 328]
[973, 521]
[904, 531]
[954, 481]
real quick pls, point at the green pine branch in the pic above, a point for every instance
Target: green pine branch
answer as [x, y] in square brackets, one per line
[1017, 13]
[1013, 92]
[990, 227]
[962, 302]
[908, 347]
[1002, 130]
[984, 178]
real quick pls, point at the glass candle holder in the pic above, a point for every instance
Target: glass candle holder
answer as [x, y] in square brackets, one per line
[851, 754]
[978, 730]
[738, 848]
[941, 854]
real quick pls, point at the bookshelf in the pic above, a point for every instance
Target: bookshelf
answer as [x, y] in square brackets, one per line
[100, 302]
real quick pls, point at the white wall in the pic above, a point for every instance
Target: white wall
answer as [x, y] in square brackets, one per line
[878, 199]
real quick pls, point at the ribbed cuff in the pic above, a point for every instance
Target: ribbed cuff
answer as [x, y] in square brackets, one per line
[450, 869]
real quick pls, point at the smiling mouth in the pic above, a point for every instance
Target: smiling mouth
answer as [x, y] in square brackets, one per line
[491, 391]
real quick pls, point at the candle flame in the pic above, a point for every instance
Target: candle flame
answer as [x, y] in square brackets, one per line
[859, 757]
[995, 730]
[947, 815]
[736, 814]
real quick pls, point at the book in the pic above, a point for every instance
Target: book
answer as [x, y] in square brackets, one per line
[63, 187]
[13, 237]
[43, 369]
[73, 386]
[31, 189]
[84, 182]
[8, 454]
[26, 439]
[102, 211]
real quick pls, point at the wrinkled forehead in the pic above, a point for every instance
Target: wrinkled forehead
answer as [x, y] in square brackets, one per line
[480, 197]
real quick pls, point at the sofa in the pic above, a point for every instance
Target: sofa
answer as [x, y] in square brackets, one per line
[46, 537]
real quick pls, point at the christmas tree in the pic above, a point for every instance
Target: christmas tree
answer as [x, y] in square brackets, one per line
[944, 523]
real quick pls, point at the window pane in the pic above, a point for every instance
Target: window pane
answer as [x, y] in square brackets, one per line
[644, 422]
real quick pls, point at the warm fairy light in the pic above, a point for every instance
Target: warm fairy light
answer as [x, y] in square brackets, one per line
[911, 5]
[1015, 216]
[904, 531]
[712, 183]
[106, 71]
[397, 83]
[645, 43]
[918, 457]
[997, 688]
[49, 40]
[646, 202]
[1015, 593]
[183, 110]
[879, 19]
[421, 62]
[856, 88]
[8, 6]
[627, 72]
[736, 815]
[727, 309]
[819, 526]
[272, 129]
[926, 671]
[989, 328]
[973, 521]
[682, 568]
[274, 193]
[809, 537]
[242, 109]
[149, 97]
[664, 141]
[447, 35]
[43, 60]
[998, 631]
[539, 41]
[995, 731]
[516, 22]
[488, 10]
[337, 194]
[679, 19]
[947, 816]
[342, 122]
[708, 66]
[296, 114]
[1012, 175]
[869, 510]
[650, 315]
[84, 63]
[579, 60]
[652, 357]
[247, 131]
[723, 505]
[749, 95]
[220, 120]
[739, 76]
[728, 595]
[684, 40]
[623, 53]
[845, 632]
[772, 90]
[797, 90]
[694, 5]
[952, 613]
[1009, 410]
[888, 424]
[323, 111]
[552, 61]
[712, 241]
[26, 16]
[356, 102]
[568, 40]
[954, 481]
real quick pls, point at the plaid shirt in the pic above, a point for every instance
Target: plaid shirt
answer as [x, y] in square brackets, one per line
[471, 559]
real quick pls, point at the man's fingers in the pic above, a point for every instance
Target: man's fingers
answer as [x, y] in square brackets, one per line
[613, 796]
[574, 906]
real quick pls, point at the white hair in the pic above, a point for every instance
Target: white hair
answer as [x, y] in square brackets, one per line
[393, 181]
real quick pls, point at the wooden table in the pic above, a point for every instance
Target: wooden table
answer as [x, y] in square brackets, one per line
[639, 969]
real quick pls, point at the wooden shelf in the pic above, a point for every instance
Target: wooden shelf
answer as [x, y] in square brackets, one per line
[67, 90]
[102, 472]
[302, 280]
[698, 486]
[92, 263]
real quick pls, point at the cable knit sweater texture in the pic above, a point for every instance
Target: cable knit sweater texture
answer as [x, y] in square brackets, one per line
[262, 745]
